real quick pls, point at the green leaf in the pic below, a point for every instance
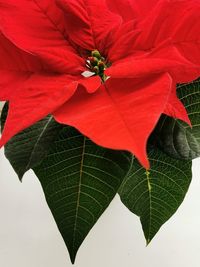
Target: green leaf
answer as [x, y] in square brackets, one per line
[28, 148]
[155, 195]
[175, 137]
[79, 180]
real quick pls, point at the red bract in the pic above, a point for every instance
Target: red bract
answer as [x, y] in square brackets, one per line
[145, 48]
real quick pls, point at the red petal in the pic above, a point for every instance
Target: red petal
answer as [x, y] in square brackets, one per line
[14, 59]
[169, 36]
[124, 8]
[121, 115]
[175, 20]
[38, 28]
[89, 23]
[10, 82]
[37, 97]
[131, 9]
[91, 84]
[166, 58]
[143, 7]
[15, 67]
[124, 42]
[175, 108]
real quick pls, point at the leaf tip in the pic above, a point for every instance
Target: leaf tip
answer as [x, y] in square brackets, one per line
[148, 241]
[20, 174]
[73, 256]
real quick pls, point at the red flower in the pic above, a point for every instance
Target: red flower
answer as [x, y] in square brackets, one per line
[137, 51]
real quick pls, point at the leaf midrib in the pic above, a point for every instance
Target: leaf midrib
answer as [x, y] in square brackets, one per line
[79, 192]
[149, 186]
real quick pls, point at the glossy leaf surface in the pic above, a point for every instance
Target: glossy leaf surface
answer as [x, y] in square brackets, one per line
[175, 137]
[28, 148]
[79, 180]
[156, 195]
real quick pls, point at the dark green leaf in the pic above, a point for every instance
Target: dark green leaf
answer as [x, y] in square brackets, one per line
[175, 137]
[155, 195]
[79, 180]
[28, 148]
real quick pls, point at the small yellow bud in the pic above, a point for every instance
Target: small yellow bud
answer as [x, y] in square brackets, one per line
[96, 54]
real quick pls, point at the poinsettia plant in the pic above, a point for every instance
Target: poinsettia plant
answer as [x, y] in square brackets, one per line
[102, 97]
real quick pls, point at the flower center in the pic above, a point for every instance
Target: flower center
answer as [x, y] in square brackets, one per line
[97, 64]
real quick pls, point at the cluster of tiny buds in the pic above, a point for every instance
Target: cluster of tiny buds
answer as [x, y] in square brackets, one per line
[96, 63]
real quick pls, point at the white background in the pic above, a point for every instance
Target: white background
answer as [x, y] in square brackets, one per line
[29, 236]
